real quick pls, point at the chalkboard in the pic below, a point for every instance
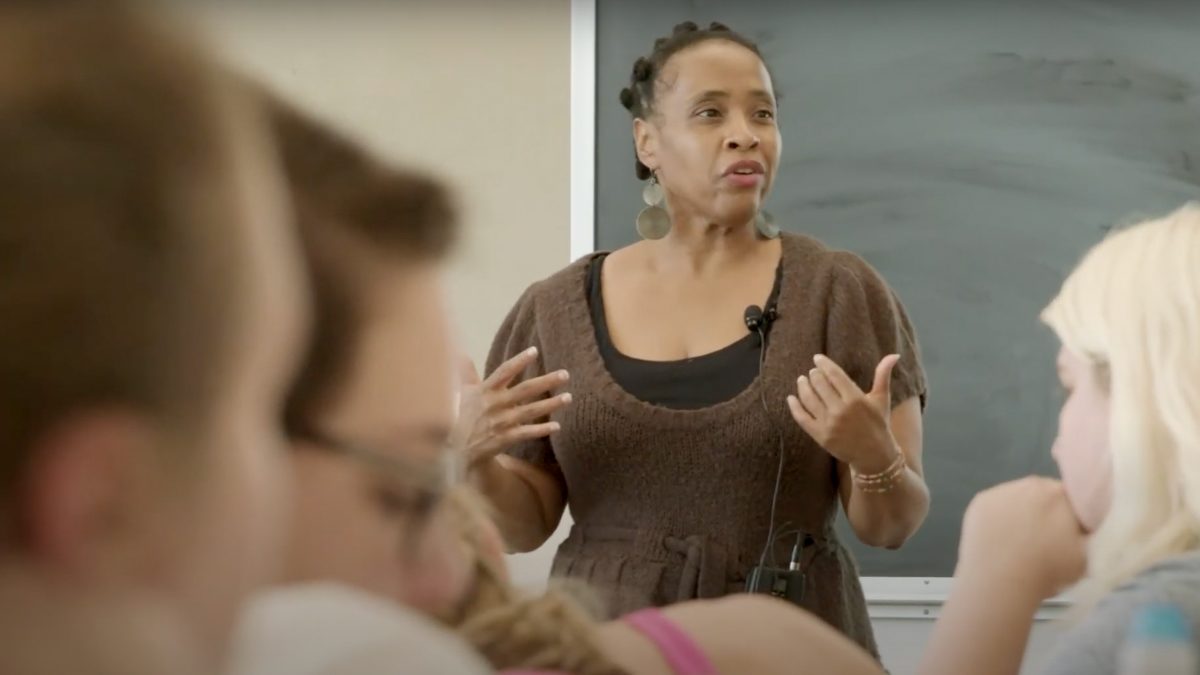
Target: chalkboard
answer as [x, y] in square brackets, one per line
[970, 151]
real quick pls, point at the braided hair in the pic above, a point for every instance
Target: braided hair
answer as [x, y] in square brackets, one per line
[638, 97]
[554, 630]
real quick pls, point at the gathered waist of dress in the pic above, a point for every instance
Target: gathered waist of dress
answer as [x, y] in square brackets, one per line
[663, 545]
[636, 568]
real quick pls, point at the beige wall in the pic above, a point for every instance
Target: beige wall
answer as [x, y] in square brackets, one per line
[479, 92]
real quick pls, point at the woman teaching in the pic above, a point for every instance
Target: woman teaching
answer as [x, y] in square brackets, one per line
[690, 449]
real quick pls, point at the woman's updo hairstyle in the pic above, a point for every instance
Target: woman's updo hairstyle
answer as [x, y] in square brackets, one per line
[638, 97]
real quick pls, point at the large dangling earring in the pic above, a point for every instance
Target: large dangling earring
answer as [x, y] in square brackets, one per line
[653, 221]
[764, 222]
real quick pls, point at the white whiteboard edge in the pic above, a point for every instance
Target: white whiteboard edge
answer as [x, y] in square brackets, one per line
[918, 589]
[895, 598]
[921, 598]
[583, 127]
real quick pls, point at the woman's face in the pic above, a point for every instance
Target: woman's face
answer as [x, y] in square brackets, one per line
[376, 519]
[1082, 446]
[712, 138]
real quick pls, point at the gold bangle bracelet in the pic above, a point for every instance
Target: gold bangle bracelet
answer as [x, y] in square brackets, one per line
[884, 481]
[897, 466]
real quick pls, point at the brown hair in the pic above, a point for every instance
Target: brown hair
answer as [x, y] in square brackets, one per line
[116, 219]
[555, 630]
[352, 209]
[638, 98]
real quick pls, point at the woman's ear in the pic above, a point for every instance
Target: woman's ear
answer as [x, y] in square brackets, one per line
[645, 143]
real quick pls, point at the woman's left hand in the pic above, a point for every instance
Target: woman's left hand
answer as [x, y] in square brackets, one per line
[853, 426]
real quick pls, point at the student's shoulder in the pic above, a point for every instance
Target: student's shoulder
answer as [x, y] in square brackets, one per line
[758, 633]
[1175, 580]
[329, 629]
[1091, 644]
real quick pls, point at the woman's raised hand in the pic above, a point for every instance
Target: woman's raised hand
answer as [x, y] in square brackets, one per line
[494, 414]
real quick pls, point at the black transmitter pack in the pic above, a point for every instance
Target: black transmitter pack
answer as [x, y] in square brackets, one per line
[783, 584]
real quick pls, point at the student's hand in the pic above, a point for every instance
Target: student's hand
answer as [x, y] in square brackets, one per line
[853, 426]
[1023, 536]
[494, 414]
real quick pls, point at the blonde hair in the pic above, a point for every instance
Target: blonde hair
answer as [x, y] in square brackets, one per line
[1132, 310]
[554, 631]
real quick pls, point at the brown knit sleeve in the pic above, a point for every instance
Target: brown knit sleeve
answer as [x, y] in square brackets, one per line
[519, 332]
[866, 322]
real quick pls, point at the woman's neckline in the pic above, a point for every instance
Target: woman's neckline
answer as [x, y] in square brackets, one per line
[592, 362]
[595, 277]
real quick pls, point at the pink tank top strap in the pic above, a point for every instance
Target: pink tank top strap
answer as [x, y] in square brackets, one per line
[681, 653]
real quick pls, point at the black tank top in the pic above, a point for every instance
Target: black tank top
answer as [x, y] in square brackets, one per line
[686, 384]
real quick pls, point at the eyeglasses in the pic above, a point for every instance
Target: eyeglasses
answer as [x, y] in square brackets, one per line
[425, 484]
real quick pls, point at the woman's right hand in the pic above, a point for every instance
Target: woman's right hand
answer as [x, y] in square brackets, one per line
[494, 414]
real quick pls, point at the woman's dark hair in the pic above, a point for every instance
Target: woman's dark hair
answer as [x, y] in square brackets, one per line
[638, 97]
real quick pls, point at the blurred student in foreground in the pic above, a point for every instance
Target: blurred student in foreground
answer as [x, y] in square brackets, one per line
[367, 419]
[152, 308]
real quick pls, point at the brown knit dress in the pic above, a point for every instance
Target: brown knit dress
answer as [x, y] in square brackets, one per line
[672, 505]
